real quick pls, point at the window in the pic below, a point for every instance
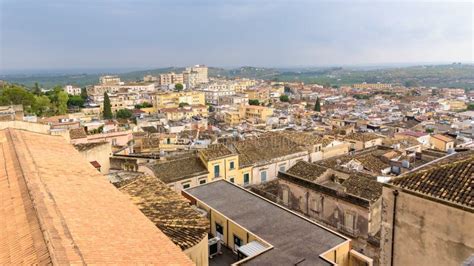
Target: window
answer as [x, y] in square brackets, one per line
[349, 221]
[315, 206]
[285, 196]
[219, 231]
[231, 179]
[202, 181]
[237, 242]
[186, 185]
[246, 178]
[216, 171]
[282, 168]
[232, 165]
[263, 176]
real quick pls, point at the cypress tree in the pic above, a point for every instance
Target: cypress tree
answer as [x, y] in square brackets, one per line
[317, 106]
[107, 107]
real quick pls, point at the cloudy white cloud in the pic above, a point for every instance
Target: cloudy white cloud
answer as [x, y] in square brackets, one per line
[144, 33]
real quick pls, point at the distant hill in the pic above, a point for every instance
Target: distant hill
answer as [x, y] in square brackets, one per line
[81, 80]
[453, 75]
[245, 72]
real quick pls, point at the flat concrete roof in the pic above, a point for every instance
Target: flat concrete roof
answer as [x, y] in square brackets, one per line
[294, 238]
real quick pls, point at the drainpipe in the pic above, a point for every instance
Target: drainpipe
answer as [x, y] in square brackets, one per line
[395, 194]
[225, 169]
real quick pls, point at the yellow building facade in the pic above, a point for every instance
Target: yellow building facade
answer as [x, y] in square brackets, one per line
[255, 112]
[173, 99]
[226, 166]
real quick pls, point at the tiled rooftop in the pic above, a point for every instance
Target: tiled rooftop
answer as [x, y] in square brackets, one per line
[179, 169]
[168, 210]
[451, 181]
[77, 133]
[306, 170]
[363, 186]
[264, 149]
[302, 138]
[215, 151]
[403, 142]
[88, 146]
[370, 158]
[442, 138]
[356, 184]
[84, 219]
[363, 136]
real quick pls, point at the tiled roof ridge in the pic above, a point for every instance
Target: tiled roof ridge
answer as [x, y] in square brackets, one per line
[189, 226]
[40, 245]
[44, 221]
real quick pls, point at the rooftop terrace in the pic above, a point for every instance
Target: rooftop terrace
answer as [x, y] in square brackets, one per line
[294, 238]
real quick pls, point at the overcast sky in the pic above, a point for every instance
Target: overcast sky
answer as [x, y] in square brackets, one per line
[57, 34]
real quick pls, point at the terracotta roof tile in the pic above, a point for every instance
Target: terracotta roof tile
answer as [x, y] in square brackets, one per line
[452, 181]
[179, 169]
[77, 133]
[88, 146]
[83, 218]
[308, 171]
[168, 210]
[215, 151]
[253, 151]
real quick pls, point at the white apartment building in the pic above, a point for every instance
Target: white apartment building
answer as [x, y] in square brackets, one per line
[213, 91]
[171, 78]
[109, 80]
[201, 73]
[195, 75]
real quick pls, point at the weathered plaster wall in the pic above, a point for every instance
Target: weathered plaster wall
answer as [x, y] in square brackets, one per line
[426, 233]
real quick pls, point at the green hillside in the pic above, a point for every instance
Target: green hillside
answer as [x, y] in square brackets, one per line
[454, 75]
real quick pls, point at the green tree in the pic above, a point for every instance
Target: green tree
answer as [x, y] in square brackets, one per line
[13, 94]
[470, 107]
[84, 94]
[107, 107]
[58, 98]
[284, 98]
[124, 114]
[41, 105]
[183, 104]
[36, 89]
[61, 103]
[411, 83]
[143, 105]
[178, 87]
[75, 100]
[317, 106]
[254, 102]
